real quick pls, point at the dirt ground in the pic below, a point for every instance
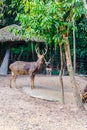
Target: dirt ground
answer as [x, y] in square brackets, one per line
[19, 111]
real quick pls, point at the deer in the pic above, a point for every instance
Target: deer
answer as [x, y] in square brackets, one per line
[27, 68]
[48, 67]
[84, 95]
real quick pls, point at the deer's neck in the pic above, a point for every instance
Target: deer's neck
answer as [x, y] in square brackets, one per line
[40, 64]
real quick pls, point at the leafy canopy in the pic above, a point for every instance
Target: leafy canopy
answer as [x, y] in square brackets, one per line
[45, 19]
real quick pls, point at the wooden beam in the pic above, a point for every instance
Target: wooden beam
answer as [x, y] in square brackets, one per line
[4, 65]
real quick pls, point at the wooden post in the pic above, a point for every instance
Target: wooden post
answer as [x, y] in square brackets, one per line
[4, 65]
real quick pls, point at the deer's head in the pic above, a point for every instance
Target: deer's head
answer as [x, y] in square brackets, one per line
[47, 63]
[41, 56]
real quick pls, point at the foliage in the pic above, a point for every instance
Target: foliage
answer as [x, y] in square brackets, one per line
[1, 11]
[81, 40]
[23, 52]
[9, 10]
[47, 20]
[81, 44]
[44, 19]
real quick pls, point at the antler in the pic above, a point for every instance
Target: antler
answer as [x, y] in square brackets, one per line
[49, 60]
[37, 50]
[44, 53]
[45, 60]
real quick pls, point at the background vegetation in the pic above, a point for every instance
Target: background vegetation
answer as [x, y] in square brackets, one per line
[40, 19]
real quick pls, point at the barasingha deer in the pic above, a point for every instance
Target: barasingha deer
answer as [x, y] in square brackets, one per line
[27, 68]
[48, 67]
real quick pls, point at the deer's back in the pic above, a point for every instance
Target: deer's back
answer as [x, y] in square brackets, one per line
[22, 68]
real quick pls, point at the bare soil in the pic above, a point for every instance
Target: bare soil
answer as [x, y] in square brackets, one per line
[19, 111]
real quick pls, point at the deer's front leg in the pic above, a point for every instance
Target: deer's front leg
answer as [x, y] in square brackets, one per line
[32, 81]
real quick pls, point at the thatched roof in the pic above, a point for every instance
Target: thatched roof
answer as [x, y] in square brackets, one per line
[8, 37]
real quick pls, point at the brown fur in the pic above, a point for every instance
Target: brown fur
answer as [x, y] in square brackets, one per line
[84, 95]
[26, 68]
[48, 67]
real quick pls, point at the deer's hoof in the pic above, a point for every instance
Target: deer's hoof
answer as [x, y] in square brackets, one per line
[33, 87]
[10, 86]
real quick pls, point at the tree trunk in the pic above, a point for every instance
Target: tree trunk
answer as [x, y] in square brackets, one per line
[70, 70]
[20, 55]
[32, 48]
[61, 73]
[74, 47]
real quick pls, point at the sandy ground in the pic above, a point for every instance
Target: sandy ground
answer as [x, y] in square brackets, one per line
[19, 111]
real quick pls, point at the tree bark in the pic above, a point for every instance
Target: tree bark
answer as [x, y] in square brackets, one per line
[70, 70]
[74, 47]
[32, 48]
[61, 73]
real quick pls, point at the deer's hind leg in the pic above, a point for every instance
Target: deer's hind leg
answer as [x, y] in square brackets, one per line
[13, 80]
